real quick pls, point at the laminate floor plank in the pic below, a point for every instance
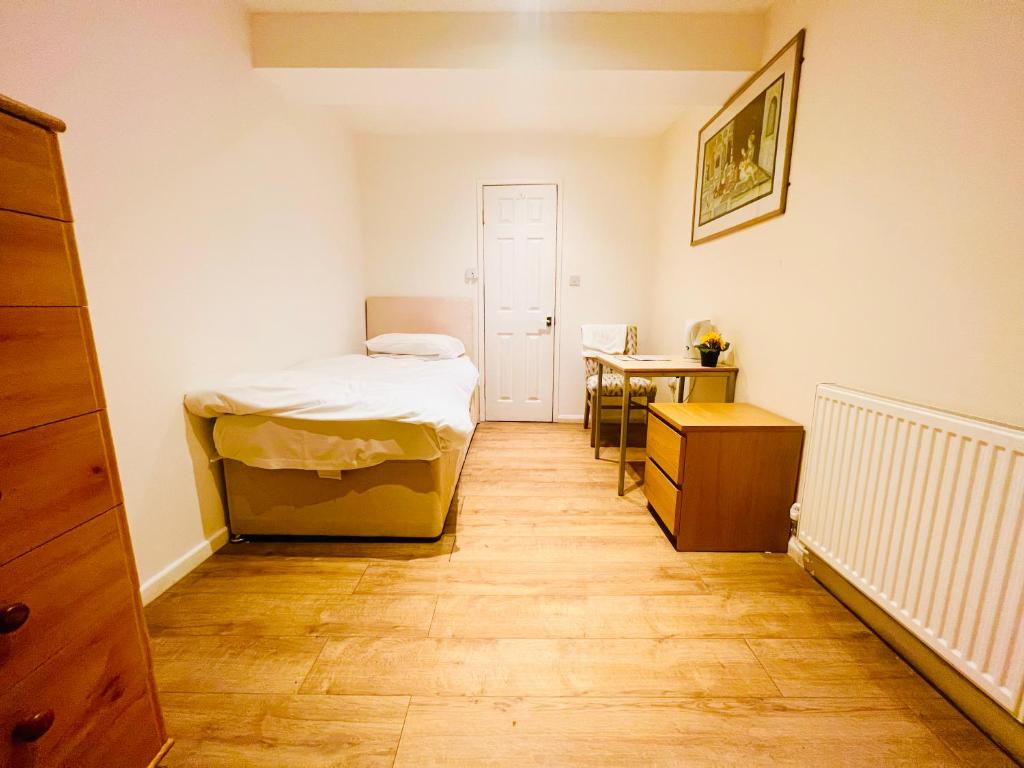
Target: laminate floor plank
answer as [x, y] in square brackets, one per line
[567, 524]
[276, 615]
[752, 573]
[838, 667]
[275, 575]
[218, 730]
[500, 455]
[475, 547]
[215, 664]
[504, 667]
[517, 474]
[569, 461]
[664, 732]
[530, 578]
[959, 734]
[662, 616]
[566, 487]
[554, 506]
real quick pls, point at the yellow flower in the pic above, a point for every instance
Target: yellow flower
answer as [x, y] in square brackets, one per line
[712, 341]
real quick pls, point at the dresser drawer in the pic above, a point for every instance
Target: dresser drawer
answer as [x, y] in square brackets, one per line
[661, 494]
[38, 262]
[51, 479]
[98, 695]
[31, 178]
[665, 446]
[75, 587]
[46, 366]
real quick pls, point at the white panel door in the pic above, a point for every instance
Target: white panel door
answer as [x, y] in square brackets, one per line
[519, 301]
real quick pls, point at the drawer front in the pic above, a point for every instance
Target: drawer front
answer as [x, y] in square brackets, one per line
[38, 262]
[31, 178]
[661, 495]
[75, 588]
[103, 709]
[53, 478]
[46, 366]
[665, 446]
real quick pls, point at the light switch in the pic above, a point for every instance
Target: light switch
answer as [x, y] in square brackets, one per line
[574, 281]
[471, 275]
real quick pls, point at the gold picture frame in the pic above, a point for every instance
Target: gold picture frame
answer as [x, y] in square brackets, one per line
[740, 179]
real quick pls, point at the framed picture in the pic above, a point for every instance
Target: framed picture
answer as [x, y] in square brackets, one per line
[743, 151]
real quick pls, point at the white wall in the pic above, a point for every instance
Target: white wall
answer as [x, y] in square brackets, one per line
[898, 266]
[215, 225]
[420, 218]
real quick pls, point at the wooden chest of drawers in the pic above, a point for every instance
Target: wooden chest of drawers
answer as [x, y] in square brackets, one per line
[721, 477]
[76, 684]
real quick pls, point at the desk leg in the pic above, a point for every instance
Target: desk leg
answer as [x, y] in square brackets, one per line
[730, 388]
[624, 433]
[595, 417]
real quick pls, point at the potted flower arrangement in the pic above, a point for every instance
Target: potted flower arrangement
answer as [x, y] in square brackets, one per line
[710, 347]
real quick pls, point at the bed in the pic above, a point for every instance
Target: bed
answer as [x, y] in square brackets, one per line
[384, 462]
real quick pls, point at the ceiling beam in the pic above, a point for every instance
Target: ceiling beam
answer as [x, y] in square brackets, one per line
[569, 41]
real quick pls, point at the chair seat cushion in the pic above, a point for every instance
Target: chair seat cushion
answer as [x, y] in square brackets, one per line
[611, 384]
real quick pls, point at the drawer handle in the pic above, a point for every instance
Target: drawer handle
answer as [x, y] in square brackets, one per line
[12, 617]
[35, 727]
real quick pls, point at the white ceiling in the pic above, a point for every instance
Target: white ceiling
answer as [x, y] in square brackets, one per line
[509, 6]
[606, 103]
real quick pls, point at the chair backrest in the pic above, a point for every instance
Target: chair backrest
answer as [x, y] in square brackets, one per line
[631, 348]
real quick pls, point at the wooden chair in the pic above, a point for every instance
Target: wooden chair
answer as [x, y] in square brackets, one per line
[642, 391]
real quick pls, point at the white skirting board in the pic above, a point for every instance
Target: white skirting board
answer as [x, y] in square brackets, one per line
[167, 577]
[572, 418]
[796, 550]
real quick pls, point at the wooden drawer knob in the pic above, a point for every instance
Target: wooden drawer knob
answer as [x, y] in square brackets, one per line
[33, 728]
[12, 617]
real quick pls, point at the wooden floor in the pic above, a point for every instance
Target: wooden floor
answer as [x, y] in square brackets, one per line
[552, 625]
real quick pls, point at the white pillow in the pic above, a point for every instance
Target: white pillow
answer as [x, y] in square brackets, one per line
[435, 346]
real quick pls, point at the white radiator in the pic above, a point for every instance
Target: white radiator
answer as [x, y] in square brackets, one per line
[923, 511]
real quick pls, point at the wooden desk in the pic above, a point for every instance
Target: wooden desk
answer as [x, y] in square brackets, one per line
[673, 366]
[722, 476]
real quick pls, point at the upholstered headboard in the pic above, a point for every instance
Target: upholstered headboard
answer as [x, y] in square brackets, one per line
[422, 314]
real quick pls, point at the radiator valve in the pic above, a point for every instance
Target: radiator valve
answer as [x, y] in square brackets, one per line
[794, 512]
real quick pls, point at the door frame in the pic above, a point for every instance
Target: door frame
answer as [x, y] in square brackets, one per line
[481, 339]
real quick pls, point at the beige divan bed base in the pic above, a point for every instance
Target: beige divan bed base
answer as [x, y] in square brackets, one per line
[396, 499]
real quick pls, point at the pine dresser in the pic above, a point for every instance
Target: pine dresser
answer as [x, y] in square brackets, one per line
[76, 682]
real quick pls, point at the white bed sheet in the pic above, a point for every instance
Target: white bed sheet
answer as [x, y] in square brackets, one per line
[341, 413]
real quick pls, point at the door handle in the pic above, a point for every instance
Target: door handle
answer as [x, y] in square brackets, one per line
[548, 321]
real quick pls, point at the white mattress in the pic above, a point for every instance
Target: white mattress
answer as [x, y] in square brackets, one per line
[341, 413]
